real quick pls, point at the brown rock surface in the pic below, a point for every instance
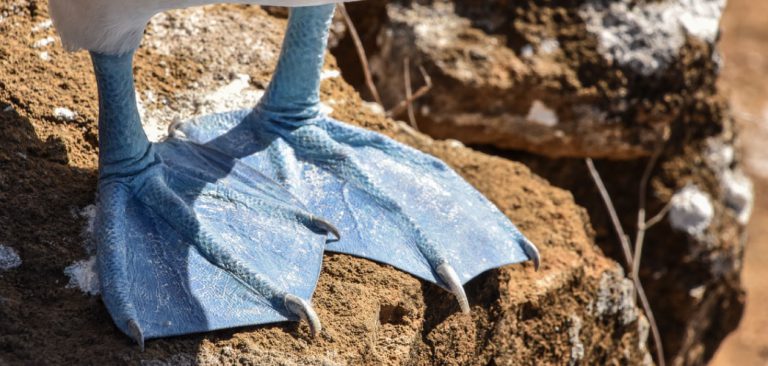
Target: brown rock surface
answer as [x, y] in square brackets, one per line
[548, 83]
[561, 79]
[577, 309]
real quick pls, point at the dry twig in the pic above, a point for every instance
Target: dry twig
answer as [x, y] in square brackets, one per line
[360, 54]
[409, 92]
[423, 90]
[642, 224]
[634, 259]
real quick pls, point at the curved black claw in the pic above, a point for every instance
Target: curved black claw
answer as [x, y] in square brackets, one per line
[134, 331]
[533, 253]
[304, 310]
[326, 226]
[451, 279]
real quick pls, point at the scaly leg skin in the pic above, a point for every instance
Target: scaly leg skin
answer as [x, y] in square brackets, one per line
[392, 203]
[190, 239]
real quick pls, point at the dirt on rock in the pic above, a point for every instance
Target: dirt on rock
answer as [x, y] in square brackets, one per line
[577, 309]
[560, 79]
[549, 83]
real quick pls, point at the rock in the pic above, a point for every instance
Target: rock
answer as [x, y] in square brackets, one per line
[591, 78]
[577, 309]
[692, 260]
[548, 83]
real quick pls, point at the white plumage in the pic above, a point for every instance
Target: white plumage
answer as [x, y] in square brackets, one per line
[116, 26]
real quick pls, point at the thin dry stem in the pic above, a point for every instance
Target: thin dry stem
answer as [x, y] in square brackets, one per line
[629, 257]
[659, 216]
[623, 238]
[360, 54]
[642, 225]
[423, 90]
[409, 92]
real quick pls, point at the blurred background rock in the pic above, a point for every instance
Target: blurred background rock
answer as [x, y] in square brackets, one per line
[549, 83]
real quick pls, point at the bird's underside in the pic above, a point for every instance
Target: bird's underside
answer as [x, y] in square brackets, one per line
[224, 223]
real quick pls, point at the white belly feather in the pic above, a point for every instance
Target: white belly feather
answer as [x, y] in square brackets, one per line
[116, 26]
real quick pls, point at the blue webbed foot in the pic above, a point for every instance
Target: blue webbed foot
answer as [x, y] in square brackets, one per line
[190, 239]
[392, 203]
[199, 242]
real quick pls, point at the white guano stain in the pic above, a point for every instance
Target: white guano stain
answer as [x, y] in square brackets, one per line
[647, 37]
[64, 114]
[541, 114]
[329, 74]
[44, 25]
[691, 211]
[548, 46]
[47, 41]
[739, 194]
[577, 347]
[83, 275]
[9, 259]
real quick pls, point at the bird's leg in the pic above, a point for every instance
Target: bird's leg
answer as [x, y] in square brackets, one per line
[392, 203]
[157, 201]
[294, 92]
[293, 95]
[123, 146]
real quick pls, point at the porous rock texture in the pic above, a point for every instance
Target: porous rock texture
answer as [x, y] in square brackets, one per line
[562, 79]
[549, 83]
[578, 309]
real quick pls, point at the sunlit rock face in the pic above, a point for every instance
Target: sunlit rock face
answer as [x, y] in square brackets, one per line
[611, 74]
[550, 83]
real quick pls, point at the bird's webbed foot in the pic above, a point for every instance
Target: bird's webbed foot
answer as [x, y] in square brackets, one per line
[198, 241]
[393, 204]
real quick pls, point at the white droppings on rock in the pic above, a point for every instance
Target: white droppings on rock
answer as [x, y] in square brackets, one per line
[541, 114]
[526, 51]
[9, 259]
[83, 275]
[456, 144]
[47, 41]
[374, 107]
[739, 194]
[325, 107]
[44, 25]
[647, 37]
[64, 114]
[329, 74]
[577, 347]
[719, 155]
[702, 18]
[697, 292]
[548, 46]
[45, 56]
[691, 210]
